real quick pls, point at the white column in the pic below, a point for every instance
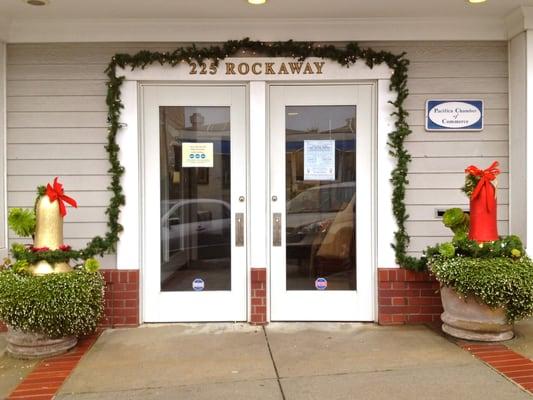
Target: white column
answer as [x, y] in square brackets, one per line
[258, 179]
[3, 135]
[520, 27]
[129, 247]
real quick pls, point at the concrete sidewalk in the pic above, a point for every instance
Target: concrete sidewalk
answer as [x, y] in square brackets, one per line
[283, 361]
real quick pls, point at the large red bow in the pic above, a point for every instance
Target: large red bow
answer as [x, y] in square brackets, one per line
[486, 176]
[56, 193]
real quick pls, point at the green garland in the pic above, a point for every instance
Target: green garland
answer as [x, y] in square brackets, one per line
[301, 50]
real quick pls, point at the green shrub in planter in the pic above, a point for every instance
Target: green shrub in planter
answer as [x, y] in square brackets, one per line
[497, 281]
[57, 305]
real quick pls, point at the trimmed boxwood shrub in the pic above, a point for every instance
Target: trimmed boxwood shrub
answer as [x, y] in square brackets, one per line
[496, 281]
[57, 305]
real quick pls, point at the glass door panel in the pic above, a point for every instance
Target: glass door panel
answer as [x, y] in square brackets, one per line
[195, 198]
[321, 180]
[320, 195]
[194, 150]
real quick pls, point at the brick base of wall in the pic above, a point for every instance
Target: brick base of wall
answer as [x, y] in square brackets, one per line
[258, 298]
[3, 327]
[407, 297]
[121, 298]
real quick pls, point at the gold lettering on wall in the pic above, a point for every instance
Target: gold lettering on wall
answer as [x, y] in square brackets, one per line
[269, 69]
[319, 65]
[256, 68]
[283, 70]
[259, 68]
[230, 68]
[244, 68]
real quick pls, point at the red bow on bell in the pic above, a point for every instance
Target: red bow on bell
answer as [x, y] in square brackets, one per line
[56, 193]
[486, 176]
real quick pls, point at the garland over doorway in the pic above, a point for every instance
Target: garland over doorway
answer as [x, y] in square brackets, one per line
[346, 56]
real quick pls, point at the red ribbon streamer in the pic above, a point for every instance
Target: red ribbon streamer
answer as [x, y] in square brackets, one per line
[486, 177]
[56, 192]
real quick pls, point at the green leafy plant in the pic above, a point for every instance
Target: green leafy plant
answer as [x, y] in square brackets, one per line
[57, 305]
[496, 281]
[471, 182]
[91, 265]
[458, 221]
[507, 246]
[22, 221]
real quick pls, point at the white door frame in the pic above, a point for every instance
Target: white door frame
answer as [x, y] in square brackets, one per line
[315, 305]
[169, 306]
[259, 216]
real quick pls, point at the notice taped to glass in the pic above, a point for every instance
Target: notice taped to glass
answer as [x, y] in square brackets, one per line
[319, 160]
[197, 155]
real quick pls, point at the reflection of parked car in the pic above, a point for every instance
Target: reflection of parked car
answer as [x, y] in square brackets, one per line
[194, 229]
[321, 223]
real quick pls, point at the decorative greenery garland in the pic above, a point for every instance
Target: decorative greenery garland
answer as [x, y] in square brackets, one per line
[346, 56]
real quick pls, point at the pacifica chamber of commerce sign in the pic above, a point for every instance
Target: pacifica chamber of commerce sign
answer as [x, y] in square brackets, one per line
[454, 115]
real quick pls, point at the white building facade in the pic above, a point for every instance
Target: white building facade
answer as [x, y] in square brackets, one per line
[258, 188]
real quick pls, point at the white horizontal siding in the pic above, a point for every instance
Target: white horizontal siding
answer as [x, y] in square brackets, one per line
[427, 212]
[57, 127]
[452, 164]
[447, 181]
[56, 135]
[89, 198]
[449, 197]
[453, 70]
[24, 183]
[58, 104]
[57, 167]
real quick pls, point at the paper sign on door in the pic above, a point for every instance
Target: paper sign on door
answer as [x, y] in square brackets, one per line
[197, 155]
[319, 160]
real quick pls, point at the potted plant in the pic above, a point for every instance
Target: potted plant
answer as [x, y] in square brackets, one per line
[486, 280]
[45, 302]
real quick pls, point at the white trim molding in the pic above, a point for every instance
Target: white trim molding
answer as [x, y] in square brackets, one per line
[519, 21]
[3, 146]
[4, 29]
[520, 134]
[216, 30]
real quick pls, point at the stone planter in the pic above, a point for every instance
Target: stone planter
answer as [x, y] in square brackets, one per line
[472, 320]
[34, 345]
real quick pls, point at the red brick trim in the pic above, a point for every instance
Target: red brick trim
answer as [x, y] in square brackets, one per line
[407, 297]
[508, 363]
[258, 315]
[3, 327]
[121, 298]
[49, 374]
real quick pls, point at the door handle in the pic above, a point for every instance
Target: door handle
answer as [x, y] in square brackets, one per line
[239, 229]
[276, 229]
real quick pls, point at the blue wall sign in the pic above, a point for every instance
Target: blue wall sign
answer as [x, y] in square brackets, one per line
[454, 115]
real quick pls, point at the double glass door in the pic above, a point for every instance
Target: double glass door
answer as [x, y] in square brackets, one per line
[195, 210]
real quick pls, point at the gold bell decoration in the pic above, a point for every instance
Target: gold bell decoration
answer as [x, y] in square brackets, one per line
[49, 212]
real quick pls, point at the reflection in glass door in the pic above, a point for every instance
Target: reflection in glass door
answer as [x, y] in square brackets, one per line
[194, 223]
[321, 179]
[195, 198]
[320, 194]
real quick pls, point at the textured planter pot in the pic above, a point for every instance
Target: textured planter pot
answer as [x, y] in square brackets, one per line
[472, 320]
[35, 345]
